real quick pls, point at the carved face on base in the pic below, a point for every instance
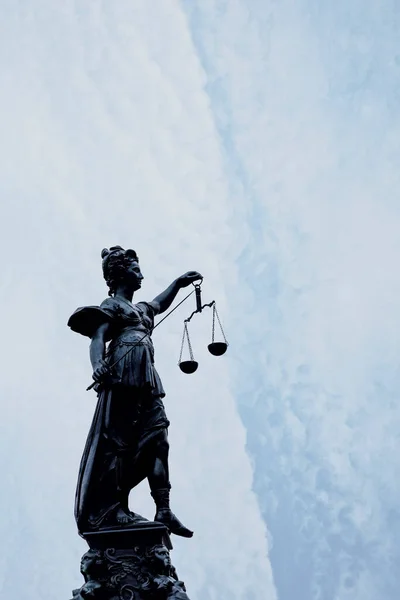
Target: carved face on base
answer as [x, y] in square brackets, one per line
[89, 563]
[160, 559]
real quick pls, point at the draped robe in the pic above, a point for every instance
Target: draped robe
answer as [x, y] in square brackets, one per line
[129, 415]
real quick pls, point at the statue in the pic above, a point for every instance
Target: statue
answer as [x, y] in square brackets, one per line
[164, 581]
[91, 568]
[128, 438]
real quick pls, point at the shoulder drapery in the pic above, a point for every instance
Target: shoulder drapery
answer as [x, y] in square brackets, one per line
[87, 319]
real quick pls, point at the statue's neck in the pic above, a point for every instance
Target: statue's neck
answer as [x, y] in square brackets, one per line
[125, 292]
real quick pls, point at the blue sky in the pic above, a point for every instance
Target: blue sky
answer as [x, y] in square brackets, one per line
[258, 143]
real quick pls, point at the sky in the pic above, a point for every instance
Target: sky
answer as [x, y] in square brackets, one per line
[257, 142]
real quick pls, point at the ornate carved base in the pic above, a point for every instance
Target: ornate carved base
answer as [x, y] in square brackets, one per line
[129, 564]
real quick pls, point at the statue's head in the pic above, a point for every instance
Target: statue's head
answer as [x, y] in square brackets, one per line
[121, 266]
[90, 564]
[159, 558]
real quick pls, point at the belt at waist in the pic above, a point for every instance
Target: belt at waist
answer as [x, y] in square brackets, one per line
[138, 338]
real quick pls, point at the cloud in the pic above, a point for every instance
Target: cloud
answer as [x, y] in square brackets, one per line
[109, 138]
[258, 143]
[304, 100]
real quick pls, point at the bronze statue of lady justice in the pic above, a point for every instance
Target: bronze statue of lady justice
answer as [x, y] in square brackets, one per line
[128, 440]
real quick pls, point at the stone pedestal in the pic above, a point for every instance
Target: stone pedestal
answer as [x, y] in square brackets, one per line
[132, 563]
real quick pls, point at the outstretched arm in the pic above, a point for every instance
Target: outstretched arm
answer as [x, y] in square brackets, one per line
[166, 298]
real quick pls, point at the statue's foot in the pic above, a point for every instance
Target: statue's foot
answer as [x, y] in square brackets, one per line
[172, 523]
[136, 517]
[124, 518]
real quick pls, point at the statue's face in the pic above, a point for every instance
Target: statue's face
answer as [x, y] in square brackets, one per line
[87, 562]
[134, 274]
[161, 554]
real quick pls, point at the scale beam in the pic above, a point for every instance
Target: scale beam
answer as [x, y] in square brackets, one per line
[199, 310]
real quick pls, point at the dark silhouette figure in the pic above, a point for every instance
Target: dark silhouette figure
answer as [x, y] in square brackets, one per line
[128, 439]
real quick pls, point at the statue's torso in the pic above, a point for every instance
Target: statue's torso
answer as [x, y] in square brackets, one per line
[131, 349]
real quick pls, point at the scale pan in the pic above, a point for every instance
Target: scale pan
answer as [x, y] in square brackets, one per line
[217, 348]
[188, 366]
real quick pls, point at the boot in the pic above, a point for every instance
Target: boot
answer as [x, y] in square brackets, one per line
[165, 516]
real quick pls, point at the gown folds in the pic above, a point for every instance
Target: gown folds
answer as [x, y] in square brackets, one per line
[129, 415]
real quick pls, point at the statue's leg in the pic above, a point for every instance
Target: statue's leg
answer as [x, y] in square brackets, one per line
[159, 469]
[138, 466]
[141, 462]
[134, 471]
[160, 489]
[124, 414]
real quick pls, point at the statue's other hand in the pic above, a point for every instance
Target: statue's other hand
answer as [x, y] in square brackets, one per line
[163, 583]
[188, 278]
[100, 370]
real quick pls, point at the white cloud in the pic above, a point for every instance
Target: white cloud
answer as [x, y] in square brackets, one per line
[257, 142]
[304, 98]
[108, 138]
